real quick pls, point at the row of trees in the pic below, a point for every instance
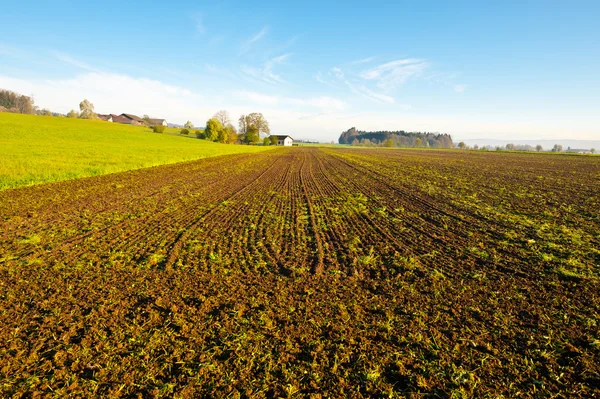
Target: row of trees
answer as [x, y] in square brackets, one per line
[220, 129]
[17, 103]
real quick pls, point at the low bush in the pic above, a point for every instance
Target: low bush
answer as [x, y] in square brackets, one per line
[185, 132]
[158, 129]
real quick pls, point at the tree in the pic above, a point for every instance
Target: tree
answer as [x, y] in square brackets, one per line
[476, 147]
[223, 135]
[273, 140]
[418, 142]
[259, 122]
[146, 118]
[230, 134]
[355, 142]
[243, 125]
[510, 147]
[73, 114]
[87, 110]
[200, 134]
[389, 143]
[593, 150]
[557, 148]
[223, 117]
[267, 141]
[213, 129]
[539, 148]
[44, 112]
[252, 135]
[462, 145]
[188, 125]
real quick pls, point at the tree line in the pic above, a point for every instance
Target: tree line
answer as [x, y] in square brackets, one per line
[515, 147]
[398, 138]
[16, 103]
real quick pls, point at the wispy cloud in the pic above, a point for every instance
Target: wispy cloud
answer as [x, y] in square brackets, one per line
[460, 88]
[446, 79]
[247, 44]
[9, 51]
[266, 73]
[67, 59]
[363, 91]
[198, 21]
[394, 74]
[362, 61]
[322, 102]
[359, 89]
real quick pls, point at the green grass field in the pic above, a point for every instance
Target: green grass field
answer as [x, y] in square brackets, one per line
[37, 149]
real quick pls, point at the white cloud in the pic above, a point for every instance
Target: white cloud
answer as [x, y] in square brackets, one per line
[110, 93]
[394, 74]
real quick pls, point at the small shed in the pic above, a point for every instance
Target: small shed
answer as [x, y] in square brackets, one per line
[284, 140]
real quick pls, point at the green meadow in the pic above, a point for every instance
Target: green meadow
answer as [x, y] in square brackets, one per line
[36, 149]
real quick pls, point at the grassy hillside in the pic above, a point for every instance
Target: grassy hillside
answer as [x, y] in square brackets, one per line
[36, 149]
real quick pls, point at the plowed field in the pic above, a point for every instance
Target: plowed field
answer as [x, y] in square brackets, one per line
[307, 272]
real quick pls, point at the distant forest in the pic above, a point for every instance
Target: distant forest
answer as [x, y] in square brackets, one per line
[398, 138]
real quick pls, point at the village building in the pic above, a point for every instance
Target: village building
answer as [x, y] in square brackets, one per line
[107, 118]
[157, 122]
[121, 119]
[134, 120]
[284, 140]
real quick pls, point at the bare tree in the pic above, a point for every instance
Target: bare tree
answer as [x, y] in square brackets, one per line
[223, 117]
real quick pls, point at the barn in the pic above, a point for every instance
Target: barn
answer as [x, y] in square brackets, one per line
[284, 140]
[133, 119]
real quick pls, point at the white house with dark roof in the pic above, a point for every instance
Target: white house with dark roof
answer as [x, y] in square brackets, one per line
[284, 140]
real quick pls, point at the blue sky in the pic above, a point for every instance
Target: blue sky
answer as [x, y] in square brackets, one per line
[508, 70]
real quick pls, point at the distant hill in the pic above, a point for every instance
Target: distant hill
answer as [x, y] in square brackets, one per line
[398, 138]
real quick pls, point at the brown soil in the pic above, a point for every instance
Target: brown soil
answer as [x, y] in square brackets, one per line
[307, 272]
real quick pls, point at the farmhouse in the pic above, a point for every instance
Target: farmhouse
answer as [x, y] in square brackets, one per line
[158, 122]
[135, 120]
[107, 118]
[284, 140]
[121, 119]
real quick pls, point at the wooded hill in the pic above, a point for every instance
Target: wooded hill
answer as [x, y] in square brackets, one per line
[398, 138]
